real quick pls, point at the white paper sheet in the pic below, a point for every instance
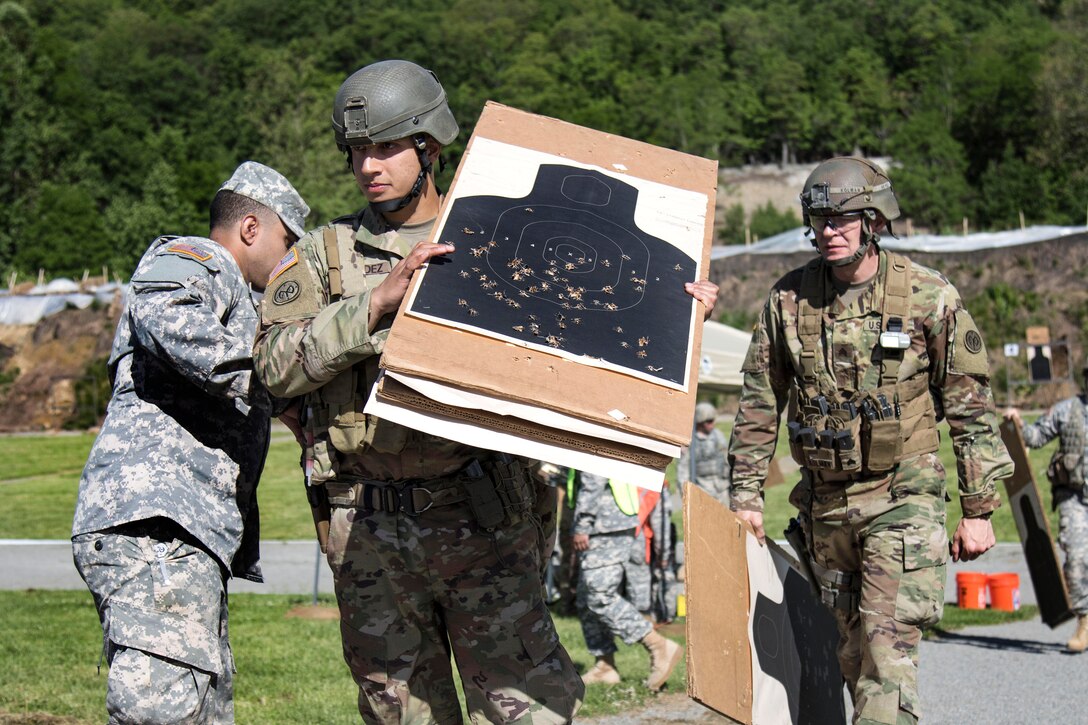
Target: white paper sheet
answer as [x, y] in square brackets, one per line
[543, 416]
[470, 434]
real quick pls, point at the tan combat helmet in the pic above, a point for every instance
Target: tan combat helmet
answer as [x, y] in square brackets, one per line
[846, 184]
[390, 100]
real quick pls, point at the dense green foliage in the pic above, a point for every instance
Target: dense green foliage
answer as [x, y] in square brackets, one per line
[120, 118]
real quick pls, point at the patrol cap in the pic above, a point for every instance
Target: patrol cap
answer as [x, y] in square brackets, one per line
[705, 412]
[269, 187]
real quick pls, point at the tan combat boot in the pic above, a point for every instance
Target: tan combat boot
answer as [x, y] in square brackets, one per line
[664, 656]
[1079, 641]
[603, 672]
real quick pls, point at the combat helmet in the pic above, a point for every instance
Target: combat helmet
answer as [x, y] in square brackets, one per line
[847, 184]
[390, 100]
[705, 412]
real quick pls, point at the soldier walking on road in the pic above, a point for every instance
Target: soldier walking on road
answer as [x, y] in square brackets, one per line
[611, 564]
[1068, 422]
[868, 351]
[167, 505]
[704, 462]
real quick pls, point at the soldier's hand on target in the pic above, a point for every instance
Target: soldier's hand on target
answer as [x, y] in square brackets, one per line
[755, 518]
[973, 538]
[387, 296]
[1013, 414]
[706, 292]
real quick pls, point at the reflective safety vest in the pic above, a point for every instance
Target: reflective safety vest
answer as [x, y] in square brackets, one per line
[626, 495]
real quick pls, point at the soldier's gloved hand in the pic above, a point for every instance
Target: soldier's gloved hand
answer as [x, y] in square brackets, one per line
[973, 538]
[755, 518]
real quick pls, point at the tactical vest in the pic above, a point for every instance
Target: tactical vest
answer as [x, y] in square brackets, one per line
[873, 430]
[334, 412]
[1066, 465]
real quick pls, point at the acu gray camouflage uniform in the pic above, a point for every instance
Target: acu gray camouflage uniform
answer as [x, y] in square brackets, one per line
[167, 505]
[412, 584]
[877, 539]
[615, 561]
[1068, 421]
[711, 468]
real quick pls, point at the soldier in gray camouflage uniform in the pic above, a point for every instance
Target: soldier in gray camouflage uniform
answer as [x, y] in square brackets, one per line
[867, 350]
[167, 506]
[711, 470]
[420, 566]
[1068, 422]
[611, 558]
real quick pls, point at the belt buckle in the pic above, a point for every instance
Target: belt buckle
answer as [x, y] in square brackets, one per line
[408, 500]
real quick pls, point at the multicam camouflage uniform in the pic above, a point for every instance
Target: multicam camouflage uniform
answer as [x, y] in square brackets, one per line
[614, 558]
[178, 461]
[711, 469]
[879, 538]
[410, 586]
[1068, 421]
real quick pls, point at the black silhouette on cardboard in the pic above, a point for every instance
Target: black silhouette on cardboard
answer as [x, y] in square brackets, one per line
[567, 269]
[795, 642]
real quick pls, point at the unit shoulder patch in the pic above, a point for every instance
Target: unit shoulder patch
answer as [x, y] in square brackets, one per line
[967, 350]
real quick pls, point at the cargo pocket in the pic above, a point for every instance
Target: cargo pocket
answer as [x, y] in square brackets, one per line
[166, 635]
[920, 596]
[537, 633]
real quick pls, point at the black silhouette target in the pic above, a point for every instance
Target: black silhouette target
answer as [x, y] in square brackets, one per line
[795, 643]
[566, 268]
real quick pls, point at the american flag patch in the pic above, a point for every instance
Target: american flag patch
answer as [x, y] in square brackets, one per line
[190, 250]
[289, 260]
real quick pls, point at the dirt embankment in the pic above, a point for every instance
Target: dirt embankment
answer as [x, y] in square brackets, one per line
[1041, 283]
[44, 366]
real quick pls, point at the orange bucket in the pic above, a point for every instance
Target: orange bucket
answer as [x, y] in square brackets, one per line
[1005, 591]
[971, 590]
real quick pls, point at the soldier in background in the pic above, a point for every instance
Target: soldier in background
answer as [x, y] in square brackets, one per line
[868, 351]
[704, 462]
[612, 571]
[167, 506]
[1068, 421]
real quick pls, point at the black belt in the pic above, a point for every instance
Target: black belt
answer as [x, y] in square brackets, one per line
[409, 498]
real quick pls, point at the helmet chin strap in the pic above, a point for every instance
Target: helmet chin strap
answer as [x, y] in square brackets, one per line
[385, 207]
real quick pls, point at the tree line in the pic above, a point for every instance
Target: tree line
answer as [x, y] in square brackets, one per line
[119, 119]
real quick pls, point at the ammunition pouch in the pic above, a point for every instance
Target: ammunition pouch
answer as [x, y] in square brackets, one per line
[868, 435]
[1060, 471]
[500, 491]
[337, 422]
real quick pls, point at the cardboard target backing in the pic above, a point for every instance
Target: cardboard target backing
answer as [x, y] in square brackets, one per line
[566, 287]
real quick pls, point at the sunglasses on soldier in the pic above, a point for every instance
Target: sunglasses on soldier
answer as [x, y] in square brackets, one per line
[839, 222]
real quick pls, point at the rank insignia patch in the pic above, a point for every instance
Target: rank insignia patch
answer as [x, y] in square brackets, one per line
[189, 250]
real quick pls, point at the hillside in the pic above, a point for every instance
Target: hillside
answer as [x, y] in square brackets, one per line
[1006, 290]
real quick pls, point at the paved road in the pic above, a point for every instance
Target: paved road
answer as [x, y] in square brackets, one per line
[1011, 673]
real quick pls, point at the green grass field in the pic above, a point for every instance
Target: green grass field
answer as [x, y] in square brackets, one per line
[42, 476]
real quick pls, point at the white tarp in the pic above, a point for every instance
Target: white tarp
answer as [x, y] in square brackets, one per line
[723, 352]
[45, 300]
[795, 241]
